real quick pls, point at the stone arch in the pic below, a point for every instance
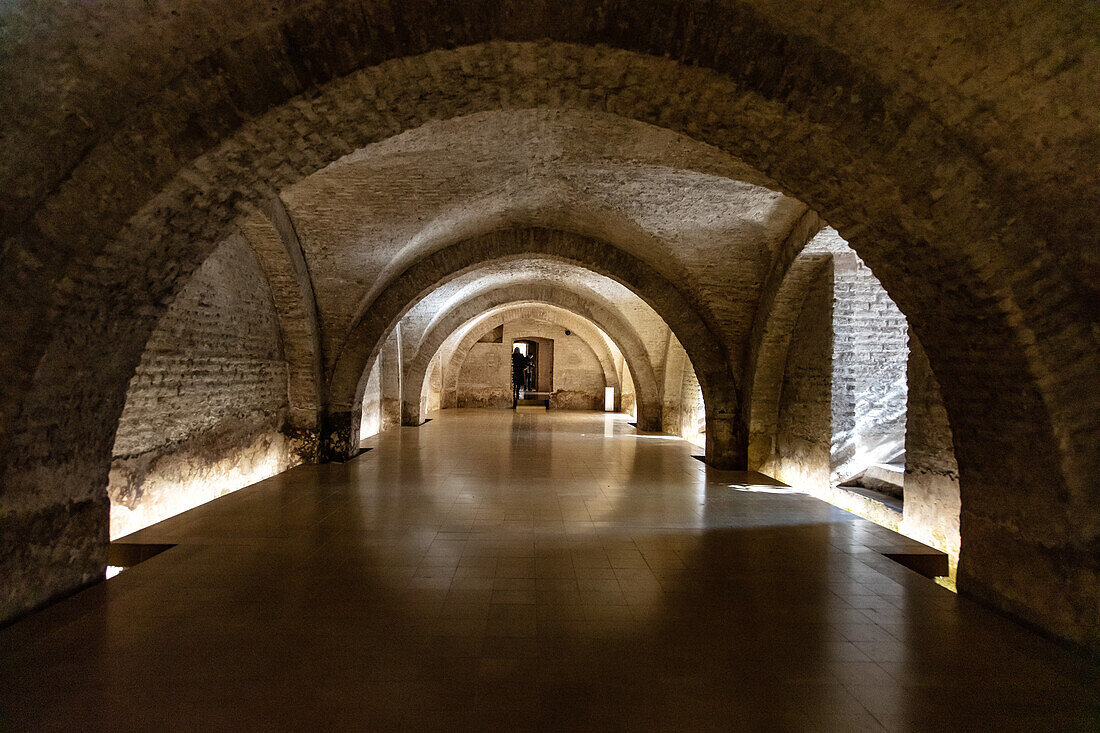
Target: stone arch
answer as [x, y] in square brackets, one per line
[538, 328]
[584, 328]
[275, 242]
[105, 235]
[805, 252]
[586, 306]
[197, 187]
[725, 438]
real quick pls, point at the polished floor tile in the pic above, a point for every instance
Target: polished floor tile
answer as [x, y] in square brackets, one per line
[529, 571]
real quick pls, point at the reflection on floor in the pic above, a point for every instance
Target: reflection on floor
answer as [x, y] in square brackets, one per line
[551, 571]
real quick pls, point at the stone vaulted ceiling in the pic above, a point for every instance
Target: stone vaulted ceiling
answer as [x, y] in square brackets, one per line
[693, 212]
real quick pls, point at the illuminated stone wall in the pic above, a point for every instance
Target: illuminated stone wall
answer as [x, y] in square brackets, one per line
[932, 499]
[205, 408]
[371, 421]
[854, 394]
[868, 383]
[804, 434]
[691, 414]
[578, 377]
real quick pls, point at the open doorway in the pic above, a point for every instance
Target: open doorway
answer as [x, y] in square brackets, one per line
[525, 370]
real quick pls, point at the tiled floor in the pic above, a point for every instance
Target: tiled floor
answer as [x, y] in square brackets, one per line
[548, 571]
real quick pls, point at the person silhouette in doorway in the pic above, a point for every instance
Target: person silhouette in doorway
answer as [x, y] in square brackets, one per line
[519, 368]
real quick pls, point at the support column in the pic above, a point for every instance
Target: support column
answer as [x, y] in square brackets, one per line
[410, 413]
[649, 418]
[390, 377]
[271, 234]
[727, 445]
[932, 497]
[340, 435]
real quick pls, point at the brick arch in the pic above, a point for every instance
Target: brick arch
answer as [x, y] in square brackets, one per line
[521, 309]
[377, 317]
[987, 258]
[808, 248]
[588, 306]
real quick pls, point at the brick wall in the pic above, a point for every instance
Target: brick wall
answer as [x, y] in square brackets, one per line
[804, 433]
[204, 410]
[869, 361]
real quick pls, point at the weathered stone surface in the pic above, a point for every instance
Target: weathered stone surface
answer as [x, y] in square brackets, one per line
[206, 406]
[932, 497]
[804, 433]
[277, 247]
[51, 553]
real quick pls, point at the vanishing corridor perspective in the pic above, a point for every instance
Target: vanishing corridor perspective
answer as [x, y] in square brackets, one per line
[538, 570]
[391, 332]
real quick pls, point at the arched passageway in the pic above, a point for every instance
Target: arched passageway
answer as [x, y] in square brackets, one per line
[970, 207]
[455, 348]
[626, 342]
[725, 446]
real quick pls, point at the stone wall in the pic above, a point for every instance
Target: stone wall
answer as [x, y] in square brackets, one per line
[932, 499]
[486, 376]
[433, 386]
[578, 377]
[579, 380]
[869, 363]
[205, 408]
[628, 403]
[804, 434]
[390, 375]
[691, 413]
[371, 416]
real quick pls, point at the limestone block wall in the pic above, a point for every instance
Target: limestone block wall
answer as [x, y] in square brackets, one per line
[869, 364]
[579, 380]
[628, 402]
[205, 408]
[932, 500]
